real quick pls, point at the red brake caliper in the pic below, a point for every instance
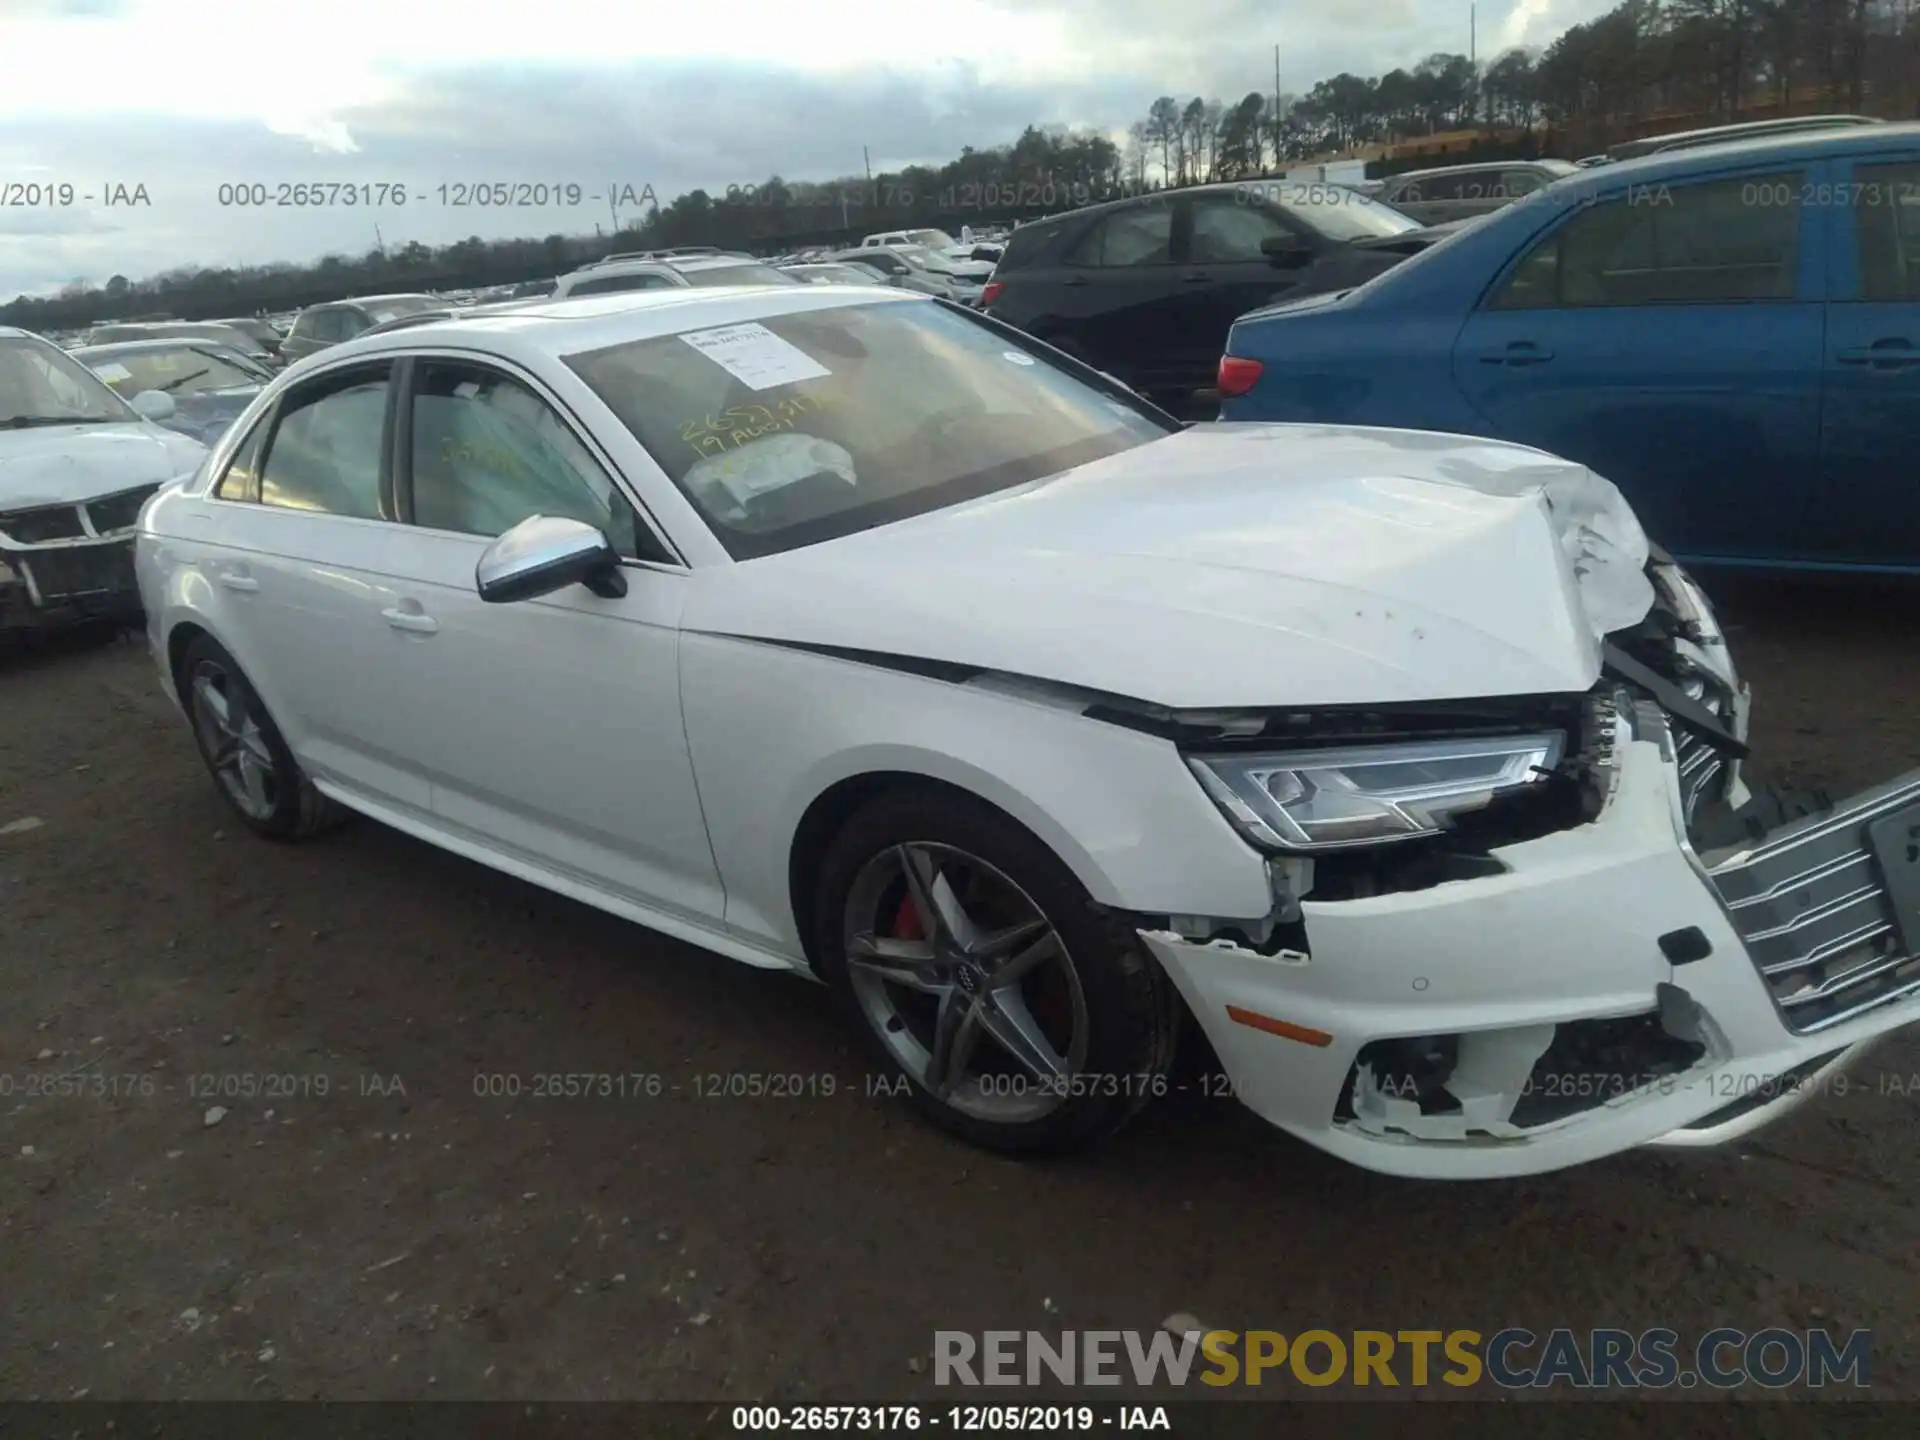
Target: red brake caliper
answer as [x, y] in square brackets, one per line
[906, 920]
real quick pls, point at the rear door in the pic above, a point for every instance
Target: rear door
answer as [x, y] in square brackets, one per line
[1869, 511]
[1670, 337]
[1113, 293]
[303, 573]
[1224, 273]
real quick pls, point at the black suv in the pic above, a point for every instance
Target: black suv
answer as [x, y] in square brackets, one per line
[1147, 288]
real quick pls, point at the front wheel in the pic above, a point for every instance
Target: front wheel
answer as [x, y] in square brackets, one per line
[1021, 1015]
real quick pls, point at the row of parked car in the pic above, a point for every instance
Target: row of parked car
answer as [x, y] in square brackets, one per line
[1729, 330]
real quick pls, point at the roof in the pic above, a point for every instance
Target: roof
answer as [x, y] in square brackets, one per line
[553, 328]
[1646, 144]
[1810, 145]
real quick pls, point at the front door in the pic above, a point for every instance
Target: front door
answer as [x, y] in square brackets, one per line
[1870, 416]
[549, 729]
[1114, 296]
[1670, 338]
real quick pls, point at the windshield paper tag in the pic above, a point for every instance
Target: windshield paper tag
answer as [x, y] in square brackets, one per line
[112, 370]
[755, 356]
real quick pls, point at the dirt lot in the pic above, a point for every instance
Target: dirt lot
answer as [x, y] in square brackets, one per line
[400, 1235]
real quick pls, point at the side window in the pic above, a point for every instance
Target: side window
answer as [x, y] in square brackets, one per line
[1433, 187]
[488, 453]
[1139, 235]
[1227, 231]
[320, 325]
[241, 479]
[324, 454]
[1515, 183]
[348, 323]
[1887, 213]
[1722, 242]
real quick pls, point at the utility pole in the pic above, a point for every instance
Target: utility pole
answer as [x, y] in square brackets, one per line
[1473, 36]
[1276, 107]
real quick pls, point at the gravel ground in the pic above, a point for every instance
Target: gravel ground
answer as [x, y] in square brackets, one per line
[374, 1228]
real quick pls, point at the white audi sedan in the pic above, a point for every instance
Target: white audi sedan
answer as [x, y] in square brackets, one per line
[848, 632]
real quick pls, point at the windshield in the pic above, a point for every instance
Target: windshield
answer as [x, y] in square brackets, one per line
[798, 428]
[385, 310]
[1336, 212]
[176, 369]
[40, 385]
[939, 239]
[745, 273]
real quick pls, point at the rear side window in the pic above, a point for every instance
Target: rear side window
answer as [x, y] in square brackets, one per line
[325, 452]
[1430, 187]
[1025, 245]
[1140, 235]
[241, 479]
[1722, 242]
[1887, 215]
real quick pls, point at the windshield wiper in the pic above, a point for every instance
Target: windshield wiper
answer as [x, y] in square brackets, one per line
[34, 422]
[173, 385]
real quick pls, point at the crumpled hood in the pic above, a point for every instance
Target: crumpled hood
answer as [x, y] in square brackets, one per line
[65, 464]
[1237, 565]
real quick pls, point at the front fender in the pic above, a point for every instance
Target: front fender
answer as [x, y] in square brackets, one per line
[772, 729]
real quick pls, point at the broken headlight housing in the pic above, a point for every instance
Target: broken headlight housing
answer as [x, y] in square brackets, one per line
[1339, 798]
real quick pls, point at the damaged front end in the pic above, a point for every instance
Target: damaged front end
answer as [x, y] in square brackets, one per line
[65, 565]
[1474, 968]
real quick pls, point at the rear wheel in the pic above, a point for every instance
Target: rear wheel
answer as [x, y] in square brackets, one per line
[251, 765]
[1021, 1015]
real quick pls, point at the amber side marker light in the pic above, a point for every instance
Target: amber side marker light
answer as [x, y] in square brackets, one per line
[1286, 1030]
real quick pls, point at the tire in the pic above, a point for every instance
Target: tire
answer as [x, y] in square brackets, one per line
[253, 770]
[1101, 1003]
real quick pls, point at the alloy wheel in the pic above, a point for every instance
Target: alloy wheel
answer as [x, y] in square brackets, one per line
[966, 982]
[224, 718]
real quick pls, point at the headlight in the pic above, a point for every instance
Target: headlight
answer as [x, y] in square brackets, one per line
[1363, 795]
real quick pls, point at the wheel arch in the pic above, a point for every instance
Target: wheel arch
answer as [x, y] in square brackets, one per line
[839, 801]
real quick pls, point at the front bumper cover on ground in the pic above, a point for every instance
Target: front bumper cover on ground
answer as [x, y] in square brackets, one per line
[1757, 973]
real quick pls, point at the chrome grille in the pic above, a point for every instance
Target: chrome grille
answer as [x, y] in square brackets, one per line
[1812, 906]
[118, 512]
[1703, 768]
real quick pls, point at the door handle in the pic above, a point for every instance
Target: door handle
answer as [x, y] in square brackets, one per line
[1895, 350]
[1074, 280]
[239, 580]
[1195, 276]
[1520, 352]
[414, 621]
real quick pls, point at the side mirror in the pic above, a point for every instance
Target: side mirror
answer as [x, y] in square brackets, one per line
[543, 554]
[154, 405]
[1286, 251]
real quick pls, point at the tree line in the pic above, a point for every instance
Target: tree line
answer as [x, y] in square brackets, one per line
[1645, 65]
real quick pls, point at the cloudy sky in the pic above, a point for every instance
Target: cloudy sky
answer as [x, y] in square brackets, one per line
[181, 96]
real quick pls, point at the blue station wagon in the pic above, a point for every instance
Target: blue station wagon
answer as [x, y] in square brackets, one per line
[1730, 334]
